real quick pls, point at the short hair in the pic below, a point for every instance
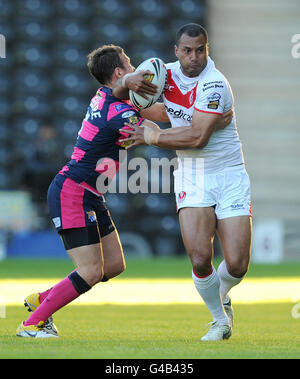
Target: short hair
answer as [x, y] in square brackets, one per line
[103, 61]
[192, 30]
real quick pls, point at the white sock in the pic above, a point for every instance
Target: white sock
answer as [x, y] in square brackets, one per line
[208, 288]
[226, 281]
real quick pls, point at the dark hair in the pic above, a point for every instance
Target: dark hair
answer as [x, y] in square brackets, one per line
[192, 30]
[103, 61]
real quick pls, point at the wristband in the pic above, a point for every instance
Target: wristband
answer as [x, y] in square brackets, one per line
[151, 135]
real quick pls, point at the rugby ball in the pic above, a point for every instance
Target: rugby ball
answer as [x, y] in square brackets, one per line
[159, 77]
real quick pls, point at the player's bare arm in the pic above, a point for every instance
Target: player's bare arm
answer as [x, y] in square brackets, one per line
[186, 137]
[157, 112]
[136, 82]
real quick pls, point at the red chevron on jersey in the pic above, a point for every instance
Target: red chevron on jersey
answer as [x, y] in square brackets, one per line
[173, 93]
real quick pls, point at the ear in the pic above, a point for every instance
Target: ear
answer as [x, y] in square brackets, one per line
[176, 50]
[118, 72]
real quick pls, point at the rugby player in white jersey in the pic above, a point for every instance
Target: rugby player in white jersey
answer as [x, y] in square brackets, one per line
[211, 184]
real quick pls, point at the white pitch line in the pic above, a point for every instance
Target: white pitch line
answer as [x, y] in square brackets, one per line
[156, 291]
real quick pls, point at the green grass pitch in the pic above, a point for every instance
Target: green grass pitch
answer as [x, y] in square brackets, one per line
[154, 331]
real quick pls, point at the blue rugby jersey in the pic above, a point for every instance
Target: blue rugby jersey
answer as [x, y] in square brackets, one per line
[96, 151]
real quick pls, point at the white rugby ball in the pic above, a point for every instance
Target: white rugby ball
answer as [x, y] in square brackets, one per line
[159, 77]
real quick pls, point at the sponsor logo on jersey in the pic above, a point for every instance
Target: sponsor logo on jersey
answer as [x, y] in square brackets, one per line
[178, 114]
[216, 84]
[57, 222]
[213, 100]
[127, 114]
[237, 206]
[169, 88]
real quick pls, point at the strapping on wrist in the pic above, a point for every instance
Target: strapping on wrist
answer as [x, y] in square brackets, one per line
[151, 135]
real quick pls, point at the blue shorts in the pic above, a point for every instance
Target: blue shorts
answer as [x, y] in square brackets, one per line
[71, 206]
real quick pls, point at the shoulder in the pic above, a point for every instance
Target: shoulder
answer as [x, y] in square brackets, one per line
[120, 112]
[119, 109]
[213, 81]
[172, 68]
[172, 65]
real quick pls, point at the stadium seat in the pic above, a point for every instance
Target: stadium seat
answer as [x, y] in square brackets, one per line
[32, 81]
[112, 9]
[151, 9]
[139, 53]
[70, 56]
[5, 105]
[26, 128]
[4, 132]
[118, 203]
[70, 105]
[67, 128]
[149, 33]
[32, 29]
[188, 8]
[33, 55]
[6, 29]
[110, 31]
[70, 82]
[7, 9]
[40, 8]
[5, 154]
[69, 30]
[73, 8]
[5, 181]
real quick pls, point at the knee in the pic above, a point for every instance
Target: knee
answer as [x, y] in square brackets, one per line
[201, 261]
[115, 269]
[237, 267]
[94, 275]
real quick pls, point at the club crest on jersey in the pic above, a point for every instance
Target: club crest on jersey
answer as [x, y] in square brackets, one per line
[92, 216]
[181, 196]
[120, 107]
[133, 119]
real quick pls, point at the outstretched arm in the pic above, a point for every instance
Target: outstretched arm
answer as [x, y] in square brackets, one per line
[186, 137]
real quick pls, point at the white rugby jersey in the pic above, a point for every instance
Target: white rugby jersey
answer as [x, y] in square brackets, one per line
[209, 92]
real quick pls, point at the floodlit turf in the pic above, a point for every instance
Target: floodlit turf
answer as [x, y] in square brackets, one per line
[174, 331]
[152, 331]
[136, 268]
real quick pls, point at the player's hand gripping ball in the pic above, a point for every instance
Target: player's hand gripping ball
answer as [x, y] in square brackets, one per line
[158, 78]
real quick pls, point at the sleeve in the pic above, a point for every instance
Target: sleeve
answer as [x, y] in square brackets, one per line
[117, 122]
[211, 97]
[131, 116]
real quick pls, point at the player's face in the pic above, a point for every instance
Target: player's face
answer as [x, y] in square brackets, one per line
[128, 68]
[192, 53]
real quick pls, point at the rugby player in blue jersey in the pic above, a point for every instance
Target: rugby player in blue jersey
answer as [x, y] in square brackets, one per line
[76, 206]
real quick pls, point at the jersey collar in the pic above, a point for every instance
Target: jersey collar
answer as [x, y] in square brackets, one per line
[185, 79]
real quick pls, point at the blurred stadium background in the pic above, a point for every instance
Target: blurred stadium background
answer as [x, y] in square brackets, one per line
[45, 89]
